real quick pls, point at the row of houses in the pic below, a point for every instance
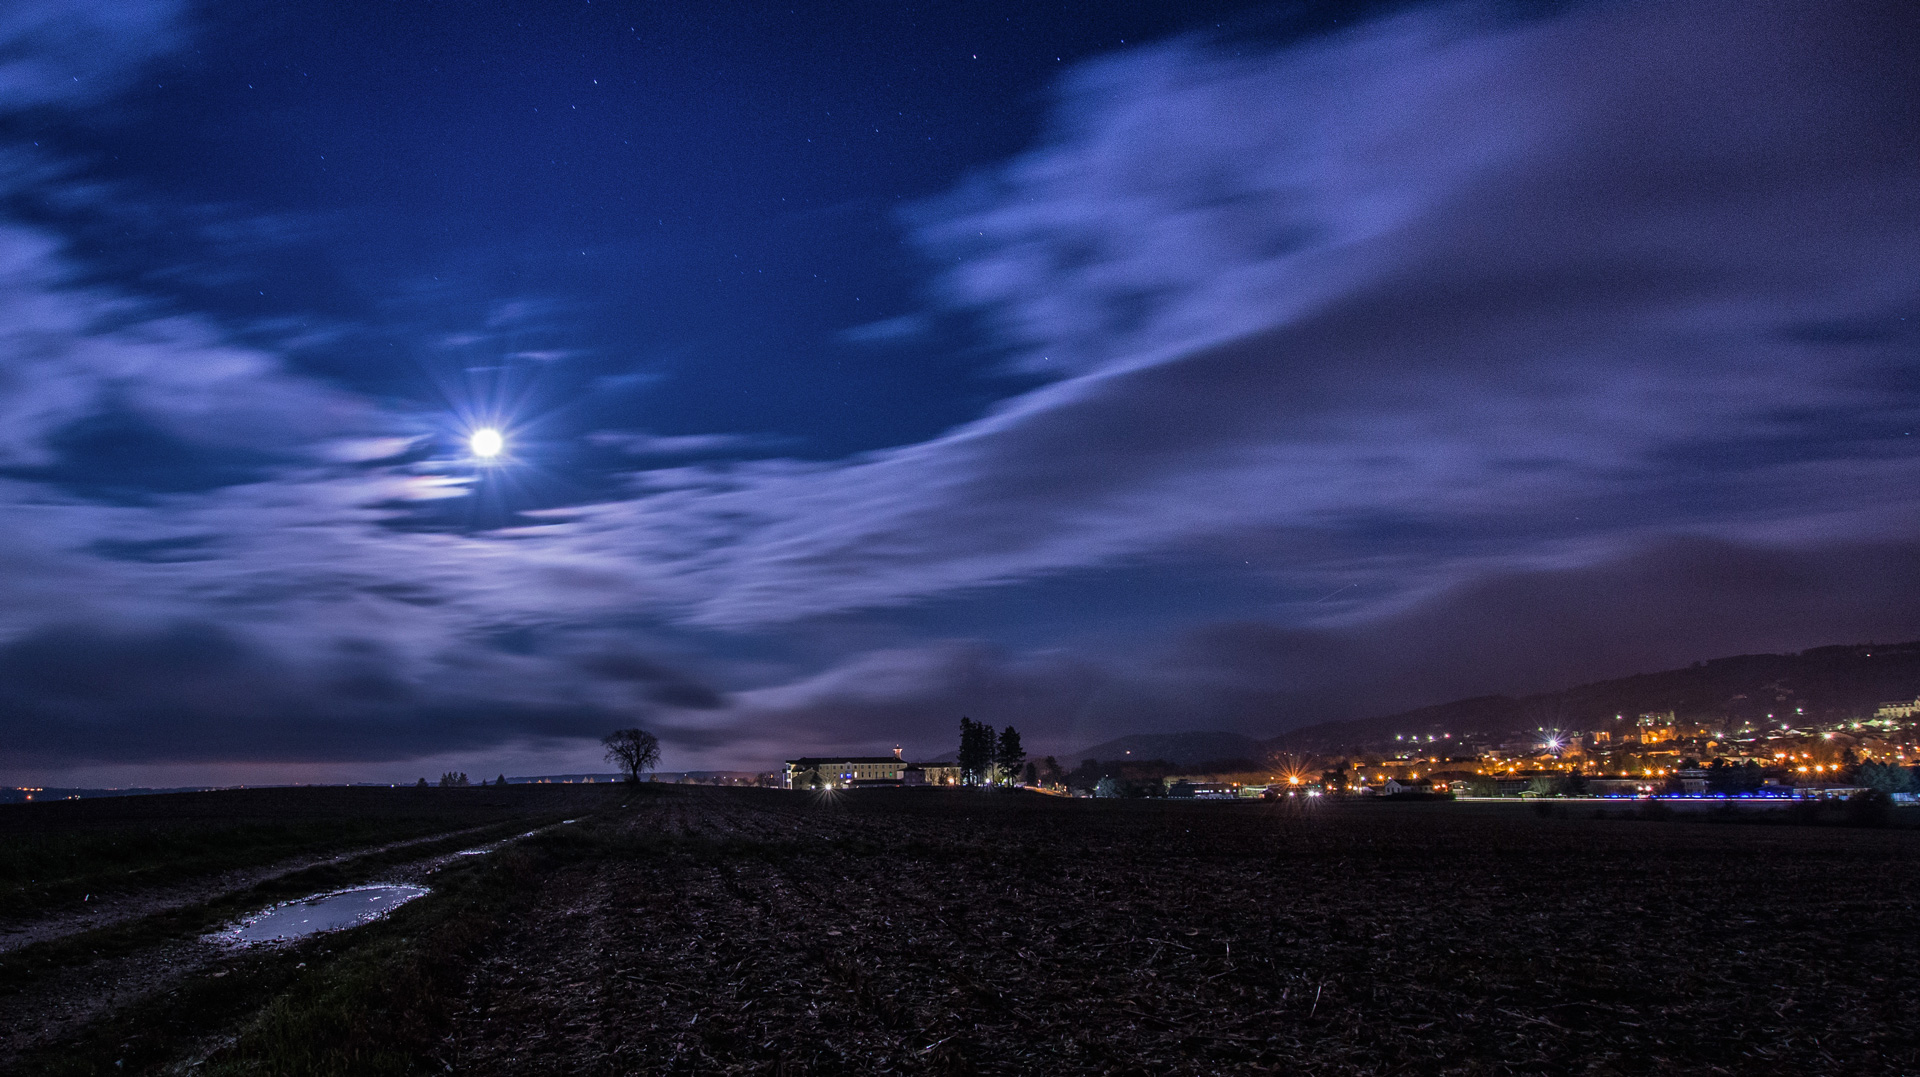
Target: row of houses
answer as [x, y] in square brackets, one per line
[866, 771]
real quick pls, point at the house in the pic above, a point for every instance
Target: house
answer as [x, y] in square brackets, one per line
[1397, 786]
[944, 772]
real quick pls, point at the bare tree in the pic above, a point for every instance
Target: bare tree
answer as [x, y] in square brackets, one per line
[634, 750]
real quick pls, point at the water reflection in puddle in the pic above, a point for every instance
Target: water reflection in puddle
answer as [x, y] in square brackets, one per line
[322, 912]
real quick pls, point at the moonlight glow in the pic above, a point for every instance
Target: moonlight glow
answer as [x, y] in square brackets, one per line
[486, 443]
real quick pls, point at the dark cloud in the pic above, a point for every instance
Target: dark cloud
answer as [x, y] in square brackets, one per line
[1668, 604]
[917, 695]
[1671, 603]
[667, 687]
[198, 692]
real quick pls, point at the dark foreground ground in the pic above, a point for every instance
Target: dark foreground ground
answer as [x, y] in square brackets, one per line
[685, 930]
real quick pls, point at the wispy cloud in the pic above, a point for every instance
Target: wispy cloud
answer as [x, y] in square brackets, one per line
[897, 330]
[1435, 290]
[640, 444]
[68, 52]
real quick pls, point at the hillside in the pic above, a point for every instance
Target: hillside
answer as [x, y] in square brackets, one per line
[1819, 685]
[1179, 748]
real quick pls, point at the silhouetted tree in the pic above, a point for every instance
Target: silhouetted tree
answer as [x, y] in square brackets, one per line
[632, 750]
[450, 780]
[1869, 807]
[1725, 777]
[1050, 772]
[1008, 755]
[1884, 777]
[976, 751]
[501, 780]
[421, 784]
[1032, 776]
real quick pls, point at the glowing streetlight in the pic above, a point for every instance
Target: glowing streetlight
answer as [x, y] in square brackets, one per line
[486, 443]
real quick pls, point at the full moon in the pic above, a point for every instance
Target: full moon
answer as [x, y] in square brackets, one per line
[486, 442]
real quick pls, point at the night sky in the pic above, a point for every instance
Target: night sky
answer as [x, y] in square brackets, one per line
[1095, 369]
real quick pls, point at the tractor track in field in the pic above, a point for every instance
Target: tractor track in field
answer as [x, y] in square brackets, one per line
[108, 909]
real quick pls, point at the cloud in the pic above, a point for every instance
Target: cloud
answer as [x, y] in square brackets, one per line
[193, 690]
[71, 52]
[75, 354]
[1662, 605]
[196, 691]
[897, 330]
[1665, 604]
[911, 694]
[1437, 293]
[639, 444]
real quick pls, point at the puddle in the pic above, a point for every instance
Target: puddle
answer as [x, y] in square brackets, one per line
[321, 912]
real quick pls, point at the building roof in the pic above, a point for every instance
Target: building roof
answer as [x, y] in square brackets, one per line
[817, 760]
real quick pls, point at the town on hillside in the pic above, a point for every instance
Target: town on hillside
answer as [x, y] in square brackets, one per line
[1656, 754]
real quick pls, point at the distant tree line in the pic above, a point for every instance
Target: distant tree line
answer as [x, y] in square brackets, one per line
[454, 779]
[1887, 778]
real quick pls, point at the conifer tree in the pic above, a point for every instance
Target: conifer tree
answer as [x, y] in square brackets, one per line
[1008, 755]
[976, 751]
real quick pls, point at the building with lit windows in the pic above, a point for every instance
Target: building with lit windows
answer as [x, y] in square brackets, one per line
[843, 772]
[1898, 710]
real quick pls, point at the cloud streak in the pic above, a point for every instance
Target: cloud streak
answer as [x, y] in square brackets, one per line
[1434, 290]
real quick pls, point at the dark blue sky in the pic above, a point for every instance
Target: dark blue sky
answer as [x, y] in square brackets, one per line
[1138, 368]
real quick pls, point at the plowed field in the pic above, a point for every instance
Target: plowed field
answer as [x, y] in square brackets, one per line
[953, 932]
[681, 930]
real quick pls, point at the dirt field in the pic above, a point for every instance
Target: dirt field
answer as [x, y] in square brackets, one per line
[950, 932]
[916, 931]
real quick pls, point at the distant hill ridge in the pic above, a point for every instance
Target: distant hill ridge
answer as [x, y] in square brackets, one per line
[1819, 685]
[1178, 748]
[1823, 684]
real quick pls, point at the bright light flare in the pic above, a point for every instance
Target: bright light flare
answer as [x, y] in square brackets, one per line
[486, 443]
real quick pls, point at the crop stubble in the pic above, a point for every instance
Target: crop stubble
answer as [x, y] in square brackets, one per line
[736, 931]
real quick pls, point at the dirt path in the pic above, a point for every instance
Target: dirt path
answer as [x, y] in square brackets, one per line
[54, 1007]
[110, 909]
